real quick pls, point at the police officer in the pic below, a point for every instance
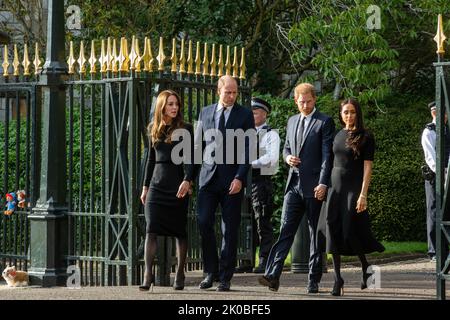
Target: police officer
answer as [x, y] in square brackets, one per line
[429, 149]
[263, 168]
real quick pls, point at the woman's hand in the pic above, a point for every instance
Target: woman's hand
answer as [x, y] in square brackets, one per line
[183, 189]
[361, 204]
[144, 194]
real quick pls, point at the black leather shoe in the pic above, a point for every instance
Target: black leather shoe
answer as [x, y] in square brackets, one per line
[270, 282]
[208, 281]
[313, 287]
[224, 286]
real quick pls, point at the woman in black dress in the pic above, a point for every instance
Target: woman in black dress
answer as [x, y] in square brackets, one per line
[347, 220]
[167, 185]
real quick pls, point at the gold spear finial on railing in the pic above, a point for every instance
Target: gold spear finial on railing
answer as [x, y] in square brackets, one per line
[228, 62]
[173, 57]
[190, 60]
[148, 55]
[242, 66]
[205, 61]
[198, 62]
[182, 58]
[71, 61]
[82, 60]
[440, 36]
[16, 62]
[161, 57]
[37, 60]
[213, 61]
[26, 61]
[103, 58]
[5, 63]
[124, 59]
[235, 64]
[133, 54]
[93, 59]
[115, 57]
[109, 56]
[137, 63]
[220, 63]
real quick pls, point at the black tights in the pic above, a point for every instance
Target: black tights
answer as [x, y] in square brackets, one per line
[337, 265]
[150, 252]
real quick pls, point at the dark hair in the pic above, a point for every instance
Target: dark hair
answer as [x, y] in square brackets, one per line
[356, 137]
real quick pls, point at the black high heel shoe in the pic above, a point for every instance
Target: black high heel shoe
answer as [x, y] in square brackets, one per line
[364, 279]
[338, 288]
[178, 283]
[149, 287]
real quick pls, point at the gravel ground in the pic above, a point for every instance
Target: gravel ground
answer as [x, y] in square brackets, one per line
[405, 280]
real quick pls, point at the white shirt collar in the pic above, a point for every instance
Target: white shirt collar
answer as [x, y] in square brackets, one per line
[309, 115]
[220, 107]
[260, 127]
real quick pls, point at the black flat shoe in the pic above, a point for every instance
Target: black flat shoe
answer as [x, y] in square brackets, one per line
[338, 288]
[364, 279]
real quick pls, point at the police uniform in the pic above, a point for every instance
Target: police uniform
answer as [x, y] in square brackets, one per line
[429, 148]
[263, 168]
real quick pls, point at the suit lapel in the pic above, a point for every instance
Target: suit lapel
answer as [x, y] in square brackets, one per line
[210, 118]
[294, 130]
[308, 129]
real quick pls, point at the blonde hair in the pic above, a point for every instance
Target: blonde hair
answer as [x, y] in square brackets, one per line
[304, 88]
[156, 128]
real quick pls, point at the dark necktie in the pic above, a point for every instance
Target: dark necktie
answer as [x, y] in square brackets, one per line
[222, 122]
[301, 130]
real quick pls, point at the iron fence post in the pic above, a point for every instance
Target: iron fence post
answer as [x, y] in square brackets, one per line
[48, 221]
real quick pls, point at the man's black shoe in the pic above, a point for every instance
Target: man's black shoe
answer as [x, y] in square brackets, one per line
[270, 282]
[243, 269]
[313, 287]
[208, 281]
[224, 286]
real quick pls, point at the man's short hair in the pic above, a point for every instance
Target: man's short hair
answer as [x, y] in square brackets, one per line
[304, 88]
[222, 80]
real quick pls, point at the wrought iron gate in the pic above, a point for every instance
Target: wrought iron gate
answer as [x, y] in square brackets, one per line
[108, 107]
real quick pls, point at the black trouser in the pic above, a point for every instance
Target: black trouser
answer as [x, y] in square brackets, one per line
[430, 193]
[262, 203]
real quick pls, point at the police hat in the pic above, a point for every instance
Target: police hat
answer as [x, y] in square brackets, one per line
[432, 105]
[258, 103]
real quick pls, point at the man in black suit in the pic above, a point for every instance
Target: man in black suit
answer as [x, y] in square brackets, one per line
[307, 151]
[222, 179]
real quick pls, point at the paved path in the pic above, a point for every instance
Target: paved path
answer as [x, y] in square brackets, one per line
[412, 279]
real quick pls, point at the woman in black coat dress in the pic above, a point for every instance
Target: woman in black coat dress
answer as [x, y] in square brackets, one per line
[345, 211]
[167, 184]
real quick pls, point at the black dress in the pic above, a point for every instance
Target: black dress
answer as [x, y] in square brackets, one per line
[165, 214]
[347, 232]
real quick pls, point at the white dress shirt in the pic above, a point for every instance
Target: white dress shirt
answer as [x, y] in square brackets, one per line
[219, 112]
[429, 147]
[269, 150]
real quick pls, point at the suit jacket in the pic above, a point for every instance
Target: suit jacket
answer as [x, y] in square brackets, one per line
[239, 118]
[315, 153]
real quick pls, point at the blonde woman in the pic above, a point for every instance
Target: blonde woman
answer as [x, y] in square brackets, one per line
[166, 189]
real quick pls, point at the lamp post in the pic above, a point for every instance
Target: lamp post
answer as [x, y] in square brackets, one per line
[48, 221]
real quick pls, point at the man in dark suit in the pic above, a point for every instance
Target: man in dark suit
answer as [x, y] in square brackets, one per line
[307, 151]
[222, 179]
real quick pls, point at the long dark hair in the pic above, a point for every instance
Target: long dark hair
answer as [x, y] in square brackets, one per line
[156, 128]
[357, 136]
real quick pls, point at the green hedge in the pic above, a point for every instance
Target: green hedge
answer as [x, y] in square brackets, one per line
[396, 194]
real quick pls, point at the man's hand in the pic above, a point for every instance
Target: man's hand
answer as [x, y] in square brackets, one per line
[235, 186]
[320, 191]
[292, 161]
